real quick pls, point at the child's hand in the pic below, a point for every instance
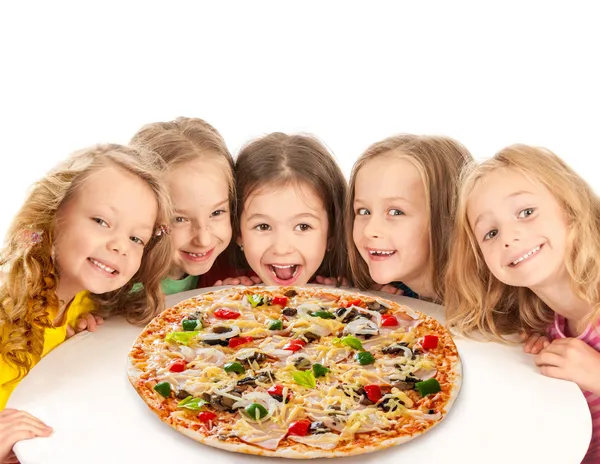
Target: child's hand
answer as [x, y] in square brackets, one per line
[387, 288]
[87, 321]
[242, 280]
[534, 343]
[16, 426]
[571, 359]
[331, 281]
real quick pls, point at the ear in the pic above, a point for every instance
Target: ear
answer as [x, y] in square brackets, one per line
[238, 241]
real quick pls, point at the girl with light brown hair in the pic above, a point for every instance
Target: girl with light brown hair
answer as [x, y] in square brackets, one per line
[87, 231]
[400, 213]
[202, 189]
[290, 223]
[526, 258]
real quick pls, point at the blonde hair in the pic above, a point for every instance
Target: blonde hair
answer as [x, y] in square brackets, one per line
[187, 139]
[29, 289]
[439, 161]
[279, 159]
[478, 302]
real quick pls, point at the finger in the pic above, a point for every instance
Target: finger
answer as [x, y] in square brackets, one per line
[10, 415]
[546, 358]
[345, 282]
[530, 343]
[523, 336]
[99, 320]
[232, 281]
[256, 280]
[554, 372]
[218, 283]
[70, 331]
[246, 281]
[91, 322]
[81, 325]
[319, 279]
[540, 345]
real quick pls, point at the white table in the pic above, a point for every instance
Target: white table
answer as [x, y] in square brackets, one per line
[506, 411]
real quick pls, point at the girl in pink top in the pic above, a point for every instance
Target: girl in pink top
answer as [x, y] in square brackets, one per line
[526, 258]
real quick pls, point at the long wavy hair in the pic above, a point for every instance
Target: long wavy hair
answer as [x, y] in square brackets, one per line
[28, 291]
[279, 159]
[439, 161]
[477, 302]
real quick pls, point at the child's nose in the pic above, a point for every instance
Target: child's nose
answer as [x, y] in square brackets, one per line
[373, 228]
[118, 244]
[203, 235]
[282, 244]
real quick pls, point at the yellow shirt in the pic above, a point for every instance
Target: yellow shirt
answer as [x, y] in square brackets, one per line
[10, 377]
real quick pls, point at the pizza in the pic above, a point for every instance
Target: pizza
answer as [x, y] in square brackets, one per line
[296, 372]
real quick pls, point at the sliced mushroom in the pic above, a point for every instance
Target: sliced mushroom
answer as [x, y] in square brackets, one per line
[404, 386]
[289, 312]
[182, 394]
[291, 293]
[318, 427]
[398, 348]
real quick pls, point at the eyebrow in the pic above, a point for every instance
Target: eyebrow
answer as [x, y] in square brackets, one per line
[215, 206]
[487, 213]
[395, 198]
[297, 216]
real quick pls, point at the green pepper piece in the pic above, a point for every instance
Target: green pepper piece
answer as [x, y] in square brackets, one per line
[256, 411]
[190, 324]
[234, 367]
[164, 388]
[181, 337]
[323, 315]
[427, 387]
[319, 370]
[255, 300]
[276, 325]
[364, 358]
[352, 342]
[191, 403]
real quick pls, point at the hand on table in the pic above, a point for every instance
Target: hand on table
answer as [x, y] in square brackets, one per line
[16, 426]
[387, 288]
[242, 280]
[87, 321]
[534, 343]
[571, 359]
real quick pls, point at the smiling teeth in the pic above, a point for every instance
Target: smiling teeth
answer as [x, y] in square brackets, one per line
[196, 255]
[283, 267]
[381, 253]
[103, 266]
[525, 256]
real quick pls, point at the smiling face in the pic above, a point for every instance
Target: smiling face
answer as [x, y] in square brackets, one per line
[391, 224]
[520, 228]
[101, 232]
[284, 234]
[201, 228]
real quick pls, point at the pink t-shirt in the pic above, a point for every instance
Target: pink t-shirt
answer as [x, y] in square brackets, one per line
[591, 336]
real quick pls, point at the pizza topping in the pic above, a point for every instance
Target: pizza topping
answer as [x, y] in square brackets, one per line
[237, 341]
[398, 348]
[373, 392]
[300, 361]
[427, 387]
[348, 303]
[326, 441]
[352, 342]
[181, 337]
[220, 334]
[389, 321]
[275, 325]
[256, 411]
[304, 379]
[291, 293]
[190, 324]
[178, 365]
[234, 367]
[294, 345]
[429, 342]
[299, 427]
[361, 326]
[279, 301]
[290, 312]
[323, 314]
[317, 428]
[319, 370]
[277, 391]
[364, 358]
[207, 417]
[191, 403]
[224, 313]
[163, 388]
[256, 300]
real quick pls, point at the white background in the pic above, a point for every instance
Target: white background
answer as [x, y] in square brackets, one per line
[487, 73]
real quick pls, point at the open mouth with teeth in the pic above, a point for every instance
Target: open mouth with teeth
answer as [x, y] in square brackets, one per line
[381, 254]
[526, 256]
[284, 274]
[196, 257]
[100, 266]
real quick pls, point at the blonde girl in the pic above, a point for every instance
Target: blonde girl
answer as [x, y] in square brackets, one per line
[201, 186]
[87, 231]
[399, 213]
[526, 258]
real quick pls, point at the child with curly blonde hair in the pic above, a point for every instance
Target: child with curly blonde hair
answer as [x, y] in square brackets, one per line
[87, 231]
[526, 258]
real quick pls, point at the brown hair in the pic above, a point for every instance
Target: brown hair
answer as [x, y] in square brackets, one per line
[279, 159]
[478, 302]
[186, 139]
[439, 160]
[29, 288]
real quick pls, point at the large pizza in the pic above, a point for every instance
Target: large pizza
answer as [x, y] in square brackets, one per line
[296, 372]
